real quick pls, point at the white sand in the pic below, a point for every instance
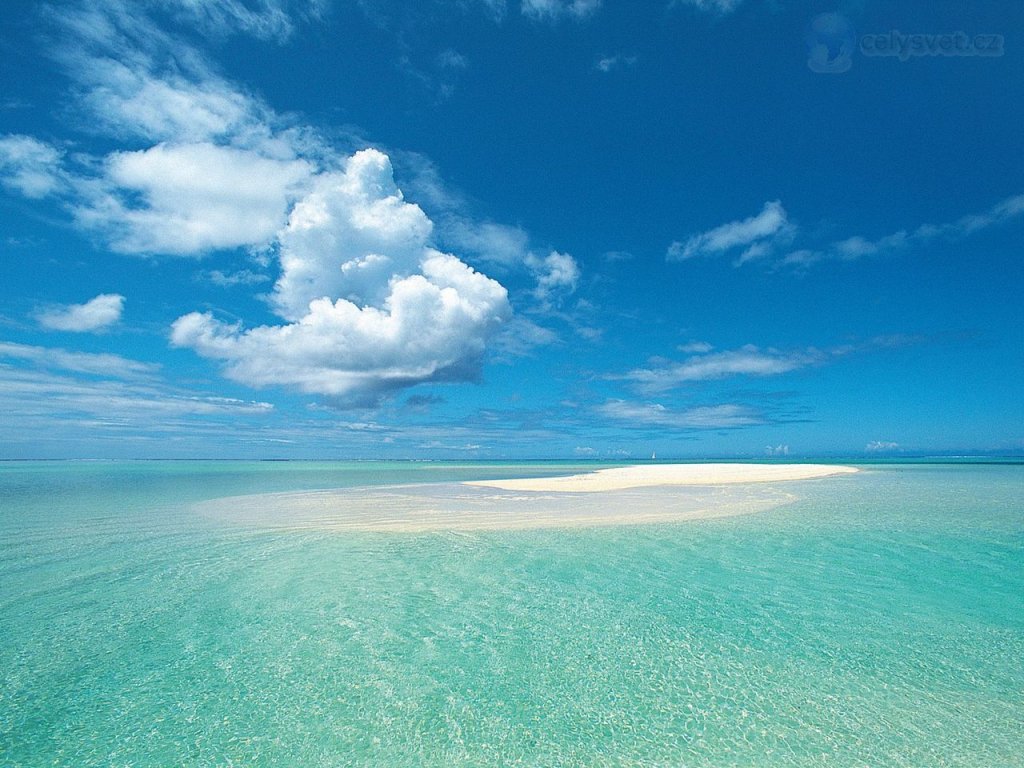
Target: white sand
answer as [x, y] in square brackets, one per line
[622, 496]
[621, 478]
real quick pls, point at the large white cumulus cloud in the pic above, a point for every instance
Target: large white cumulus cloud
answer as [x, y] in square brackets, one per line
[371, 306]
[348, 237]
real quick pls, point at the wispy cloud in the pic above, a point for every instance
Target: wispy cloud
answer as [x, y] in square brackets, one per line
[264, 19]
[881, 446]
[710, 366]
[755, 233]
[112, 416]
[98, 364]
[557, 9]
[695, 347]
[444, 445]
[437, 74]
[613, 257]
[857, 247]
[94, 315]
[557, 275]
[722, 416]
[704, 365]
[49, 395]
[618, 61]
[521, 337]
[231, 279]
[30, 167]
[769, 238]
[710, 6]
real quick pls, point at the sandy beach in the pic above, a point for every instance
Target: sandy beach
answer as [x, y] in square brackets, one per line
[641, 476]
[618, 496]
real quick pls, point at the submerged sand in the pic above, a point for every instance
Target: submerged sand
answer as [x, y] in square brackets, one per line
[622, 496]
[621, 478]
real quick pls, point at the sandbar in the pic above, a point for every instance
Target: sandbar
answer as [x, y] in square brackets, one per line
[637, 495]
[646, 475]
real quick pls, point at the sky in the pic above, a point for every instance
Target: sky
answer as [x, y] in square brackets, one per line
[511, 229]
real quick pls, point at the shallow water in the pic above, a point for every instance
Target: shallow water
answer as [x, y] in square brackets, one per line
[876, 620]
[441, 507]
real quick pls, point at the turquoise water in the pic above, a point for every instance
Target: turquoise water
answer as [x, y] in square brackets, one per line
[876, 621]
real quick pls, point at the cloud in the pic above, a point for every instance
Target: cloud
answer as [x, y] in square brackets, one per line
[501, 246]
[618, 61]
[764, 236]
[422, 403]
[702, 417]
[225, 172]
[755, 232]
[134, 79]
[858, 247]
[349, 237]
[192, 198]
[777, 450]
[263, 19]
[111, 399]
[749, 360]
[231, 279]
[436, 445]
[881, 446]
[91, 363]
[519, 337]
[95, 315]
[128, 100]
[491, 242]
[695, 348]
[370, 304]
[710, 6]
[432, 327]
[273, 20]
[30, 167]
[451, 59]
[557, 274]
[557, 9]
[496, 8]
[616, 256]
[221, 169]
[709, 366]
[56, 400]
[801, 258]
[437, 74]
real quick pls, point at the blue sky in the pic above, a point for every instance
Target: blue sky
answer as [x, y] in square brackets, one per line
[490, 229]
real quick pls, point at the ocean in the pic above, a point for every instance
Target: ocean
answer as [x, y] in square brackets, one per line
[874, 619]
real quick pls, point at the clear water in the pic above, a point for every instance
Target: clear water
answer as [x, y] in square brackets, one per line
[876, 621]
